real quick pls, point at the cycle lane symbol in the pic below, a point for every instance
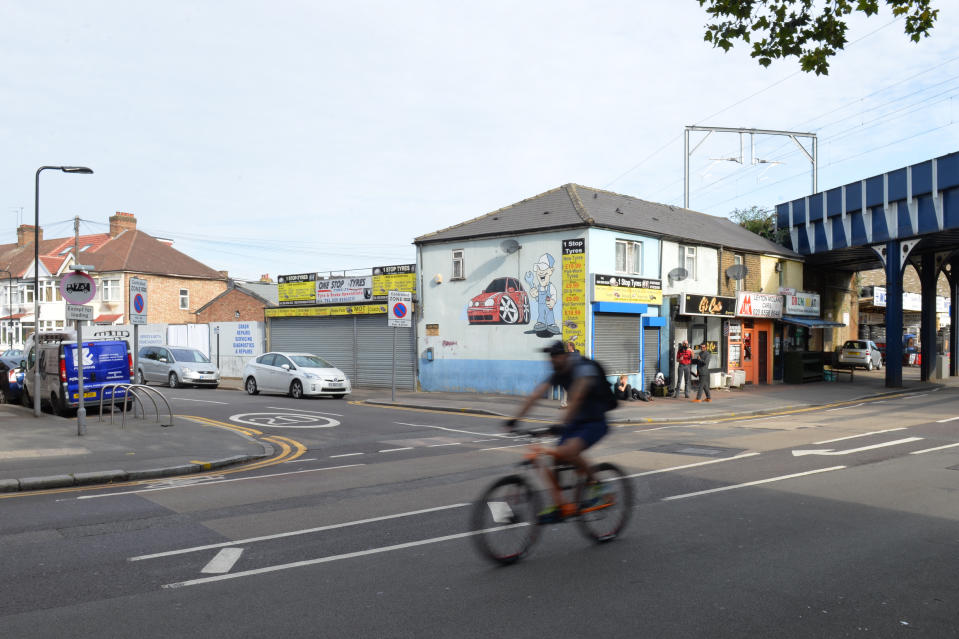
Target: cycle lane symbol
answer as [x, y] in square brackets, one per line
[284, 420]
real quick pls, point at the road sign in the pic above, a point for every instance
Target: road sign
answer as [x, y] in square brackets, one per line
[400, 309]
[77, 288]
[138, 301]
[77, 312]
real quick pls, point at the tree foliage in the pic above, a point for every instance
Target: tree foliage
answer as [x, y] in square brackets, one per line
[760, 221]
[810, 30]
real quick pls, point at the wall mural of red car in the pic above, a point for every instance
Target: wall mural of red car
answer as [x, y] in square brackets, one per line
[503, 302]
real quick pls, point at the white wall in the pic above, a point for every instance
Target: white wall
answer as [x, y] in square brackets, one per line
[704, 282]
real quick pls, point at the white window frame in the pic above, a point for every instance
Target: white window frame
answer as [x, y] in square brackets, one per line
[111, 289]
[686, 253]
[739, 260]
[184, 299]
[459, 264]
[632, 251]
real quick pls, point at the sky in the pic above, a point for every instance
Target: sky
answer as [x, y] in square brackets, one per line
[317, 136]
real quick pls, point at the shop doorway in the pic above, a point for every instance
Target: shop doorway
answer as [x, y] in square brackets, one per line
[763, 359]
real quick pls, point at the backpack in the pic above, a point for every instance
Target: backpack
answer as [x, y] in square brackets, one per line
[603, 391]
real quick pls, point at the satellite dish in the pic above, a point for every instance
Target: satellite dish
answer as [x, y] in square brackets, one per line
[736, 272]
[509, 246]
[678, 274]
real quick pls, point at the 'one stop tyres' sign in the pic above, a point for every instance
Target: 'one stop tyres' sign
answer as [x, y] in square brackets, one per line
[400, 309]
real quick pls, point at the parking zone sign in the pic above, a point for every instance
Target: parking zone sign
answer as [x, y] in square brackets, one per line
[400, 305]
[138, 301]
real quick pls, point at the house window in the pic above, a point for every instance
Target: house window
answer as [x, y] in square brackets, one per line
[738, 261]
[184, 299]
[459, 266]
[687, 260]
[49, 291]
[26, 294]
[110, 290]
[629, 257]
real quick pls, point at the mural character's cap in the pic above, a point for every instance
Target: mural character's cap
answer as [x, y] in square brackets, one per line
[545, 261]
[555, 348]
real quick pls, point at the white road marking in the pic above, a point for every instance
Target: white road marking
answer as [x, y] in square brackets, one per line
[350, 555]
[301, 410]
[684, 466]
[223, 561]
[221, 481]
[205, 401]
[476, 441]
[829, 410]
[451, 430]
[502, 447]
[649, 430]
[283, 420]
[250, 540]
[297, 461]
[929, 450]
[346, 455]
[393, 450]
[753, 483]
[875, 432]
[943, 421]
[438, 445]
[829, 451]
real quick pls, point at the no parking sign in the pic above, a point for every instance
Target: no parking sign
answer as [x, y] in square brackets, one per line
[400, 309]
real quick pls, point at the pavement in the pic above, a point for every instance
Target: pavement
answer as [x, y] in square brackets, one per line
[45, 452]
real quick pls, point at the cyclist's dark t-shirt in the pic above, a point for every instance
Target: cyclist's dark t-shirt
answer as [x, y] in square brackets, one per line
[595, 404]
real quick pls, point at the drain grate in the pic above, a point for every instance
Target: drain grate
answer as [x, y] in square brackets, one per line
[698, 450]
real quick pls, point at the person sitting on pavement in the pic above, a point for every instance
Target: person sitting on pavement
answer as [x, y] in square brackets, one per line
[702, 369]
[584, 421]
[684, 357]
[622, 389]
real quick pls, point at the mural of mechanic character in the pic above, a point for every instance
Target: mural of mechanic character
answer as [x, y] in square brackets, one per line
[542, 290]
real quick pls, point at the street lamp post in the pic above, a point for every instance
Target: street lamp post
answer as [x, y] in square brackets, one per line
[36, 274]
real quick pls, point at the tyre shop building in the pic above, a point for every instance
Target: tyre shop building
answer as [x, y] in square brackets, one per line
[343, 319]
[573, 263]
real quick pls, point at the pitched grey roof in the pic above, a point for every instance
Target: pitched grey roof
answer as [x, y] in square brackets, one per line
[267, 291]
[572, 205]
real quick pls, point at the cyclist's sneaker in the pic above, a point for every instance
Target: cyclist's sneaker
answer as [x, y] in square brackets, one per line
[551, 515]
[597, 495]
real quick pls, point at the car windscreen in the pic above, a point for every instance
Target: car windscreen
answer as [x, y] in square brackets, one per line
[310, 361]
[496, 286]
[855, 344]
[189, 355]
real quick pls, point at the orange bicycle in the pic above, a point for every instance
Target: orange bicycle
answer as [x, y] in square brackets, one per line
[507, 517]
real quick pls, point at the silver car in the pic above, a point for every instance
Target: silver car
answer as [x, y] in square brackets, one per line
[176, 366]
[295, 374]
[860, 352]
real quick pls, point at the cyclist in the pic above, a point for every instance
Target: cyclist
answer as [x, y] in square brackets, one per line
[584, 422]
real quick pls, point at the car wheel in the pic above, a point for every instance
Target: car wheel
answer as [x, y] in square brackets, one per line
[508, 313]
[296, 389]
[173, 381]
[526, 311]
[879, 366]
[869, 365]
[139, 379]
[251, 386]
[25, 398]
[3, 395]
[58, 406]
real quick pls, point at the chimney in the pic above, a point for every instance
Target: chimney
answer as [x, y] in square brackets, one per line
[225, 274]
[265, 278]
[122, 222]
[25, 234]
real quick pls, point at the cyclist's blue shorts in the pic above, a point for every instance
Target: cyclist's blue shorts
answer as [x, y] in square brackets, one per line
[589, 432]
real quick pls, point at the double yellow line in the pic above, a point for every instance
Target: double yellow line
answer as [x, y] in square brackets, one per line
[290, 449]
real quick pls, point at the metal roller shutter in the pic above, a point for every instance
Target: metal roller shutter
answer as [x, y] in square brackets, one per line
[375, 354]
[616, 342]
[650, 356]
[329, 337]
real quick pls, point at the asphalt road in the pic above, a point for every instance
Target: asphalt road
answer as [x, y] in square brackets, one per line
[826, 523]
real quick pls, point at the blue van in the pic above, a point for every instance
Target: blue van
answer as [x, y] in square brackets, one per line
[105, 363]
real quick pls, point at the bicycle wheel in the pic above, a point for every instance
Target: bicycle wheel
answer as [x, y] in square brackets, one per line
[504, 520]
[603, 520]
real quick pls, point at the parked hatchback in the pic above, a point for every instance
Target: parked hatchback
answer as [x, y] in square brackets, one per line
[176, 366]
[860, 352]
[295, 374]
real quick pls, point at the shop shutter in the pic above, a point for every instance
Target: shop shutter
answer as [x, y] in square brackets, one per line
[374, 360]
[329, 337]
[616, 342]
[650, 356]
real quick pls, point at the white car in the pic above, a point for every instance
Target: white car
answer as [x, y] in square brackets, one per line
[860, 352]
[295, 374]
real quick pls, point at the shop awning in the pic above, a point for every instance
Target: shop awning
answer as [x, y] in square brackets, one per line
[107, 318]
[811, 322]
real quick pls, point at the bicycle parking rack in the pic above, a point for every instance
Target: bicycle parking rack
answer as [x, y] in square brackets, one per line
[134, 391]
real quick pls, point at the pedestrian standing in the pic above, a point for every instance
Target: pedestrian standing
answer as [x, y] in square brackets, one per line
[702, 369]
[684, 357]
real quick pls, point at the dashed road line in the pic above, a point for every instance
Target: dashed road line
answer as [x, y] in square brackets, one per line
[753, 483]
[929, 450]
[875, 432]
[393, 450]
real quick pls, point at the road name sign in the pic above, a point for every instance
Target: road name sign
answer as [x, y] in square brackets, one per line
[138, 301]
[400, 309]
